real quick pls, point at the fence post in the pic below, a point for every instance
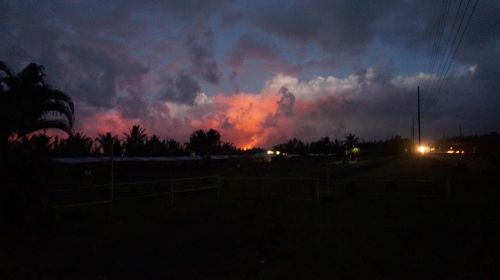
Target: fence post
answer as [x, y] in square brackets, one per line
[171, 191]
[448, 190]
[328, 176]
[112, 181]
[112, 174]
[317, 190]
[218, 186]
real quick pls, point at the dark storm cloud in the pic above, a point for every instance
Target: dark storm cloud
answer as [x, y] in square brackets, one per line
[96, 77]
[200, 47]
[181, 89]
[132, 106]
[342, 26]
[250, 45]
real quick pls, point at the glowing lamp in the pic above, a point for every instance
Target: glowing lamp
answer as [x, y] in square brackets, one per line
[423, 149]
[269, 152]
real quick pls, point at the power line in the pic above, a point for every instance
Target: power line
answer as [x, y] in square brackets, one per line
[442, 31]
[458, 45]
[448, 54]
[440, 28]
[451, 42]
[453, 46]
[436, 34]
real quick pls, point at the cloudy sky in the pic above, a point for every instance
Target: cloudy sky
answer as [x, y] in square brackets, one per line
[262, 72]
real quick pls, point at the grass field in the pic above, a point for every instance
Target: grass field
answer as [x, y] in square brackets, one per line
[348, 237]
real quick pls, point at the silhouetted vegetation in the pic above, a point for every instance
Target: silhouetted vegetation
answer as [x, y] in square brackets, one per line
[28, 104]
[108, 144]
[204, 143]
[26, 101]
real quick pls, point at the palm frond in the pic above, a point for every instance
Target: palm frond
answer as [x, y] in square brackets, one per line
[5, 68]
[43, 124]
[59, 107]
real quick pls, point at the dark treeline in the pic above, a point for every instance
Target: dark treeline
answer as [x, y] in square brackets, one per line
[135, 142]
[326, 146]
[481, 144]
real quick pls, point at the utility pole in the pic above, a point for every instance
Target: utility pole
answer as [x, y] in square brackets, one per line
[112, 179]
[412, 132]
[418, 104]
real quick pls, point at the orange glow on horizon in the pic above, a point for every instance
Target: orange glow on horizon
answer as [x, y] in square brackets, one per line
[247, 120]
[241, 118]
[112, 122]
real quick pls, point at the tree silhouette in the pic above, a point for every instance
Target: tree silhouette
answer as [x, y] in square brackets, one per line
[351, 140]
[135, 141]
[39, 145]
[174, 147]
[155, 147]
[31, 147]
[228, 148]
[322, 146]
[106, 141]
[28, 103]
[293, 146]
[76, 145]
[204, 143]
[213, 141]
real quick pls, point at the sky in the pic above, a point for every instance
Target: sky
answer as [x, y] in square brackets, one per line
[263, 72]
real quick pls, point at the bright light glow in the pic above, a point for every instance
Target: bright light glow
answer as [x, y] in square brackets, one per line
[269, 152]
[278, 153]
[462, 152]
[450, 152]
[423, 149]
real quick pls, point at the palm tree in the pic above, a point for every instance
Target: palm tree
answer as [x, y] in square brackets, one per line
[174, 147]
[77, 145]
[135, 141]
[28, 103]
[351, 151]
[34, 147]
[351, 141]
[106, 141]
[204, 143]
[155, 147]
[40, 144]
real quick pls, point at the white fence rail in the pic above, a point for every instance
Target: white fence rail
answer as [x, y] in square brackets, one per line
[293, 188]
[107, 193]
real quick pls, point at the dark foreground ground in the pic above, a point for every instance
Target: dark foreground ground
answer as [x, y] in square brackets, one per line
[348, 237]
